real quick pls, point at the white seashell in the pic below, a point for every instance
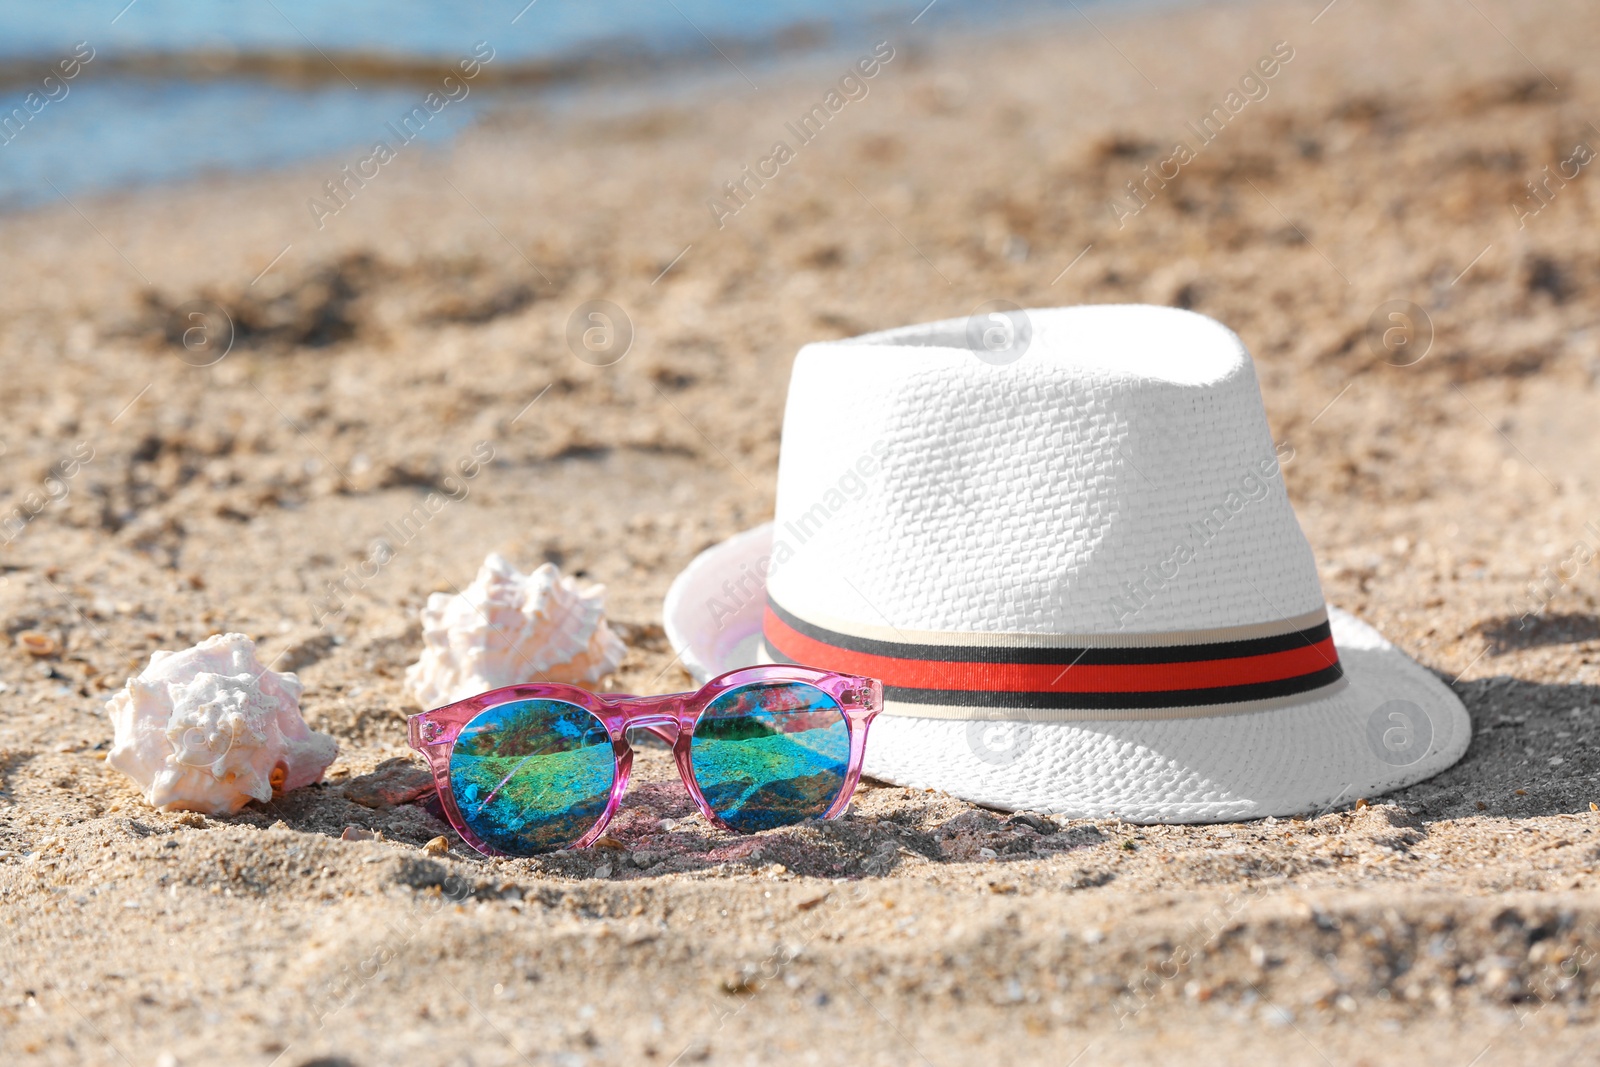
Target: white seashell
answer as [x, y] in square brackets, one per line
[507, 628]
[209, 729]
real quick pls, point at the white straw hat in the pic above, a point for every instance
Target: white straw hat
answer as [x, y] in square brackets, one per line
[1062, 540]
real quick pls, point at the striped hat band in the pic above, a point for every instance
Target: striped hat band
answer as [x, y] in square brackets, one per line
[1044, 677]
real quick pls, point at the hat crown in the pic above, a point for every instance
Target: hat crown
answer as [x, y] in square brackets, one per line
[1118, 477]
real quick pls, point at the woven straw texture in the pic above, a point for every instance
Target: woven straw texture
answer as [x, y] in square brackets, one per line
[1023, 497]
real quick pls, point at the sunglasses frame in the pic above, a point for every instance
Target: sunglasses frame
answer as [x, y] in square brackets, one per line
[671, 717]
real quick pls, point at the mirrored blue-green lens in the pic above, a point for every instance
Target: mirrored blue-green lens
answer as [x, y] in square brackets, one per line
[770, 754]
[533, 775]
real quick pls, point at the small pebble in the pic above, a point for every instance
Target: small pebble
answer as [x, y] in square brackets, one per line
[437, 847]
[1275, 1016]
[394, 781]
[357, 833]
[37, 643]
[603, 871]
[1037, 823]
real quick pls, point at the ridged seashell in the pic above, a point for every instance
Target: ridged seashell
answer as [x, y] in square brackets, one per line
[508, 627]
[209, 729]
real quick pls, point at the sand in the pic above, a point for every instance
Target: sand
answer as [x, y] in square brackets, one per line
[1454, 922]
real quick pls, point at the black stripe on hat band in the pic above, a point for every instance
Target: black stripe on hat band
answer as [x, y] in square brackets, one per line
[1089, 657]
[1234, 694]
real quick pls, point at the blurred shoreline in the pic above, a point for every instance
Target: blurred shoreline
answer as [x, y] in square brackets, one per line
[181, 98]
[623, 58]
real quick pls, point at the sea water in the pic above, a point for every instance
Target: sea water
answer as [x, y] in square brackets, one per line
[165, 90]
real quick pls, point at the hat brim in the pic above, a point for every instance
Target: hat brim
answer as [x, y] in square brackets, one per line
[1392, 724]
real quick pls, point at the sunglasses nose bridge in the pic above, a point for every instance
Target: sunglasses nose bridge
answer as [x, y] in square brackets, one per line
[657, 715]
[662, 708]
[663, 727]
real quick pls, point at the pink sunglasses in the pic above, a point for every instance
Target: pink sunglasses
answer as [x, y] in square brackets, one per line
[537, 768]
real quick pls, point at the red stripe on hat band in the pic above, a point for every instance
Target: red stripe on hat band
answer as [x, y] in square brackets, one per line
[1316, 661]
